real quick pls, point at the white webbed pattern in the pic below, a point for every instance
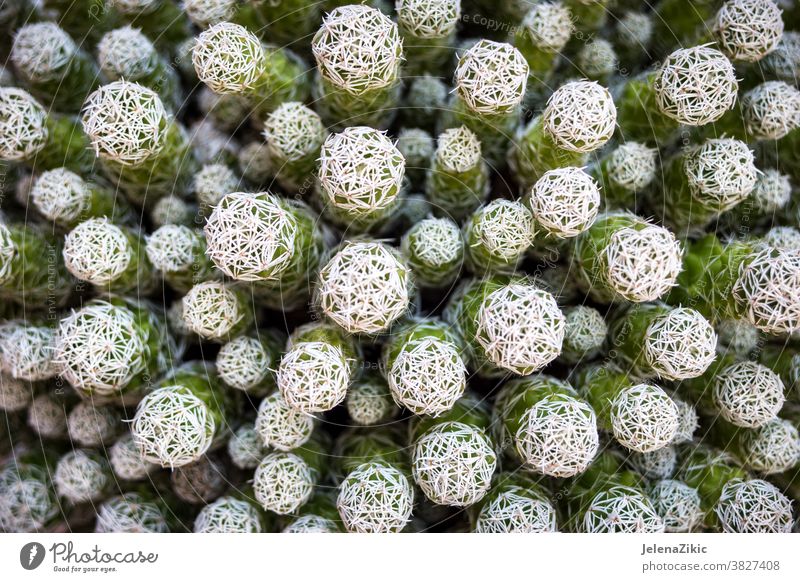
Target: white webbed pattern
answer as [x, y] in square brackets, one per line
[125, 53]
[213, 182]
[228, 515]
[786, 238]
[504, 228]
[172, 248]
[205, 13]
[171, 209]
[771, 110]
[80, 477]
[26, 503]
[245, 447]
[23, 125]
[60, 195]
[748, 394]
[228, 58]
[773, 447]
[243, 363]
[90, 425]
[635, 30]
[491, 78]
[644, 418]
[753, 506]
[211, 310]
[375, 498]
[772, 192]
[549, 25]
[130, 513]
[597, 58]
[26, 352]
[584, 333]
[293, 131]
[680, 345]
[737, 336]
[369, 402]
[283, 482]
[97, 251]
[633, 165]
[658, 464]
[677, 504]
[565, 202]
[314, 376]
[41, 51]
[688, 421]
[459, 150]
[127, 461]
[514, 512]
[722, 171]
[747, 30]
[769, 289]
[436, 242]
[580, 116]
[311, 524]
[428, 18]
[281, 426]
[521, 328]
[621, 509]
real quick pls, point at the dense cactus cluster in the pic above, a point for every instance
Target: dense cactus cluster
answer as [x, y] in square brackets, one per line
[435, 265]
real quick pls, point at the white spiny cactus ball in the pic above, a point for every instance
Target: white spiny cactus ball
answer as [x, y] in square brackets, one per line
[97, 251]
[130, 513]
[459, 150]
[621, 509]
[41, 51]
[580, 116]
[281, 426]
[644, 418]
[27, 502]
[428, 19]
[771, 110]
[365, 287]
[747, 30]
[722, 171]
[782, 238]
[23, 125]
[520, 328]
[773, 447]
[688, 421]
[127, 461]
[228, 515]
[515, 511]
[772, 192]
[453, 464]
[172, 427]
[82, 476]
[584, 334]
[283, 482]
[434, 249]
[311, 524]
[753, 506]
[246, 448]
[677, 504]
[15, 395]
[658, 464]
[212, 310]
[558, 436]
[784, 61]
[369, 402]
[228, 58]
[549, 25]
[47, 417]
[126, 53]
[172, 248]
[125, 122]
[375, 498]
[597, 58]
[313, 376]
[633, 165]
[213, 182]
[491, 78]
[100, 371]
[171, 209]
[564, 202]
[696, 86]
[503, 229]
[60, 195]
[205, 13]
[680, 345]
[244, 363]
[26, 352]
[748, 394]
[768, 288]
[635, 30]
[90, 425]
[358, 49]
[293, 132]
[737, 336]
[199, 482]
[361, 171]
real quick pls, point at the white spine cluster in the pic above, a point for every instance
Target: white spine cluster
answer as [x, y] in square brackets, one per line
[251, 237]
[785, 238]
[633, 165]
[565, 202]
[313, 376]
[753, 506]
[773, 447]
[205, 13]
[47, 417]
[580, 116]
[26, 503]
[211, 310]
[213, 182]
[504, 228]
[125, 122]
[771, 110]
[127, 461]
[428, 376]
[375, 498]
[558, 436]
[768, 289]
[130, 513]
[293, 131]
[433, 245]
[311, 524]
[747, 30]
[585, 333]
[281, 426]
[199, 482]
[172, 427]
[748, 394]
[228, 58]
[81, 477]
[658, 464]
[126, 53]
[97, 251]
[772, 192]
[15, 395]
[621, 509]
[722, 171]
[696, 86]
[243, 363]
[361, 171]
[677, 504]
[228, 515]
[643, 264]
[597, 58]
[521, 328]
[90, 425]
[100, 348]
[368, 402]
[60, 195]
[245, 447]
[644, 418]
[26, 352]
[172, 248]
[428, 18]
[283, 482]
[358, 49]
[365, 287]
[459, 150]
[688, 421]
[453, 464]
[514, 512]
[680, 345]
[491, 78]
[549, 25]
[171, 209]
[41, 51]
[23, 125]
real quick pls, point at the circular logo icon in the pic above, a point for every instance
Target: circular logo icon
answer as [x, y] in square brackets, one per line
[31, 555]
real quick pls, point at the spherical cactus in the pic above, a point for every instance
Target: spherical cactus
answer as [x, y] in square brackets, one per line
[580, 116]
[677, 504]
[82, 476]
[246, 448]
[130, 513]
[748, 394]
[491, 78]
[127, 461]
[375, 498]
[564, 202]
[228, 515]
[753, 506]
[747, 30]
[282, 427]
